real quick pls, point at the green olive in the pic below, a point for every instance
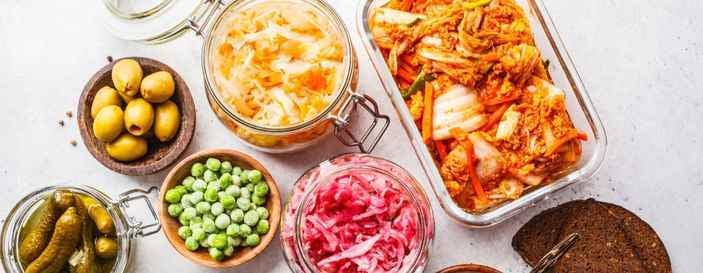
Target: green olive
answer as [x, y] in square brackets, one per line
[166, 121]
[104, 97]
[127, 147]
[126, 98]
[138, 117]
[108, 124]
[158, 87]
[127, 76]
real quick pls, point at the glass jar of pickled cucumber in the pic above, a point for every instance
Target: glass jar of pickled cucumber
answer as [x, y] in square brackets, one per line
[111, 227]
[298, 85]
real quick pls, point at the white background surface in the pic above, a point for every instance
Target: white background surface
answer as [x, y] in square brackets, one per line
[641, 61]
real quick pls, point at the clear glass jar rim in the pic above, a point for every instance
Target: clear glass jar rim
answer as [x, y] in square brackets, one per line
[412, 191]
[342, 89]
[22, 210]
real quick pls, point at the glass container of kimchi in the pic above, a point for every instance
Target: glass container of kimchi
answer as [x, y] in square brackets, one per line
[357, 213]
[499, 83]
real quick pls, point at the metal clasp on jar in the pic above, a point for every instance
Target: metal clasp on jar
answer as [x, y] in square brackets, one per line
[138, 228]
[341, 122]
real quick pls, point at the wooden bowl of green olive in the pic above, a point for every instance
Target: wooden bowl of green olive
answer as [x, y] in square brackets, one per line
[219, 208]
[136, 115]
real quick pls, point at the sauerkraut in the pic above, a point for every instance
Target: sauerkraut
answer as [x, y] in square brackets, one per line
[278, 63]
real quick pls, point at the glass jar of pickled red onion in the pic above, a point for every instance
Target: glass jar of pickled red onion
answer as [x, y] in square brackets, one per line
[357, 213]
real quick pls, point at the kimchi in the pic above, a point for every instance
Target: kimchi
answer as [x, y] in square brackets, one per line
[479, 92]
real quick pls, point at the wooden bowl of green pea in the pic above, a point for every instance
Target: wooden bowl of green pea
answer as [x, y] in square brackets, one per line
[219, 208]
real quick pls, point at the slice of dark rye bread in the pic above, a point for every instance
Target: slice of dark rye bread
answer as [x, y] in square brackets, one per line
[613, 239]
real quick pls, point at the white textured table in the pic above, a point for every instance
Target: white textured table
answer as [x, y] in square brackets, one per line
[641, 61]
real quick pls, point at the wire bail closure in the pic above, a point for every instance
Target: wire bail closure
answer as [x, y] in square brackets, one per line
[138, 228]
[341, 123]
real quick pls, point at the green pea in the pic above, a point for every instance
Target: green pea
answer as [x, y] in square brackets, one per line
[235, 241]
[197, 169]
[196, 220]
[252, 240]
[228, 202]
[245, 192]
[234, 191]
[196, 197]
[236, 170]
[262, 227]
[188, 183]
[237, 216]
[262, 212]
[251, 218]
[181, 189]
[185, 201]
[209, 215]
[204, 243]
[214, 185]
[199, 185]
[244, 230]
[189, 213]
[258, 200]
[194, 225]
[222, 221]
[184, 232]
[236, 180]
[219, 241]
[244, 177]
[175, 210]
[225, 180]
[209, 225]
[192, 244]
[198, 233]
[261, 189]
[232, 230]
[226, 167]
[211, 195]
[229, 250]
[213, 164]
[173, 196]
[202, 207]
[250, 187]
[182, 219]
[244, 203]
[217, 209]
[209, 176]
[255, 176]
[216, 253]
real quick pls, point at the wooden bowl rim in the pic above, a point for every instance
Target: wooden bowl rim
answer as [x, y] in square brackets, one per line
[468, 267]
[187, 108]
[176, 241]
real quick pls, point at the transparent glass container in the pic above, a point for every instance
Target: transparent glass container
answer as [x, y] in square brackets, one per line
[127, 228]
[159, 21]
[563, 73]
[302, 196]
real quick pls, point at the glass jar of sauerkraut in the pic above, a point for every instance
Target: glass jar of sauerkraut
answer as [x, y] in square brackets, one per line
[280, 74]
[357, 213]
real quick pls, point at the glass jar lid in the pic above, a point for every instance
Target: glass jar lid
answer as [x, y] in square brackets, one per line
[155, 21]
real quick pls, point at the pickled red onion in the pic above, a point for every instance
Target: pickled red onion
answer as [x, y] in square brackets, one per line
[360, 221]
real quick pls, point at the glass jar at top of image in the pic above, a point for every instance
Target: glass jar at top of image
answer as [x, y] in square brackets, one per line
[279, 74]
[32, 211]
[357, 213]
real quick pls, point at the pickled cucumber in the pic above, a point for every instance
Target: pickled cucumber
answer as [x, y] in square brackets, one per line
[83, 260]
[106, 248]
[63, 200]
[38, 231]
[99, 215]
[65, 239]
